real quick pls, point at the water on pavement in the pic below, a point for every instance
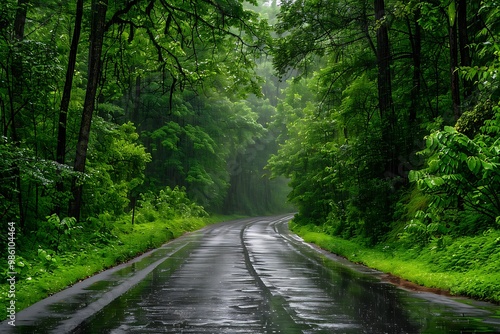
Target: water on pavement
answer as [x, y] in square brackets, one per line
[252, 276]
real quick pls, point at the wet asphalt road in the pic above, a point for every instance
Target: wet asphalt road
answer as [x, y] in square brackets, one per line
[247, 276]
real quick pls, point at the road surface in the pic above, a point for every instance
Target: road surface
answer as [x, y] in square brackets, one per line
[246, 276]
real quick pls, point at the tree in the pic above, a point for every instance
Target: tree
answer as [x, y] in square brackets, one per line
[99, 9]
[460, 178]
[16, 95]
[384, 83]
[415, 36]
[25, 89]
[454, 78]
[380, 73]
[463, 43]
[352, 46]
[65, 100]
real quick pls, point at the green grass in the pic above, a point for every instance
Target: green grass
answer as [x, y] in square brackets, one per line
[40, 278]
[465, 266]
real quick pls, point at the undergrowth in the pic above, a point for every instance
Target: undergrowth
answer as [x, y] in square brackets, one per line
[465, 266]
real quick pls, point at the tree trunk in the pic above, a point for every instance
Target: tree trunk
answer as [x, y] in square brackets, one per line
[137, 102]
[63, 111]
[386, 107]
[20, 20]
[454, 78]
[463, 40]
[16, 96]
[99, 8]
[416, 46]
[17, 67]
[383, 63]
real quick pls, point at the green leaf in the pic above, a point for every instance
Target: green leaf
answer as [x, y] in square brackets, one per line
[478, 164]
[487, 165]
[452, 12]
[449, 129]
[429, 183]
[430, 142]
[413, 175]
[438, 181]
[472, 164]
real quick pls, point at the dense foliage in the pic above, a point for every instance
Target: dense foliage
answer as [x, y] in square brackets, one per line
[392, 129]
[119, 116]
[102, 104]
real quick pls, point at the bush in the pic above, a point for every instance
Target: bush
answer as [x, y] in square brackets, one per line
[461, 180]
[167, 204]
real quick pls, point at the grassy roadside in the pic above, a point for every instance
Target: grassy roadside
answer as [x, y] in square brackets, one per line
[465, 266]
[43, 274]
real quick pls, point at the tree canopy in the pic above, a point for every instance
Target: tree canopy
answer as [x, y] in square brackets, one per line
[392, 123]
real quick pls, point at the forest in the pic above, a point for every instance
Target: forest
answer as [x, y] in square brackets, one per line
[126, 123]
[391, 134]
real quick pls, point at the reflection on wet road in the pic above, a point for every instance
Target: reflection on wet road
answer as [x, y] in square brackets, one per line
[249, 276]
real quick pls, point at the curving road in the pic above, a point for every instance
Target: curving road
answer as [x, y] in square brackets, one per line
[247, 276]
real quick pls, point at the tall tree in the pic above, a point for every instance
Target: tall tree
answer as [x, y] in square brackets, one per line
[99, 9]
[453, 42]
[65, 100]
[415, 35]
[384, 84]
[179, 33]
[464, 44]
[70, 72]
[16, 94]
